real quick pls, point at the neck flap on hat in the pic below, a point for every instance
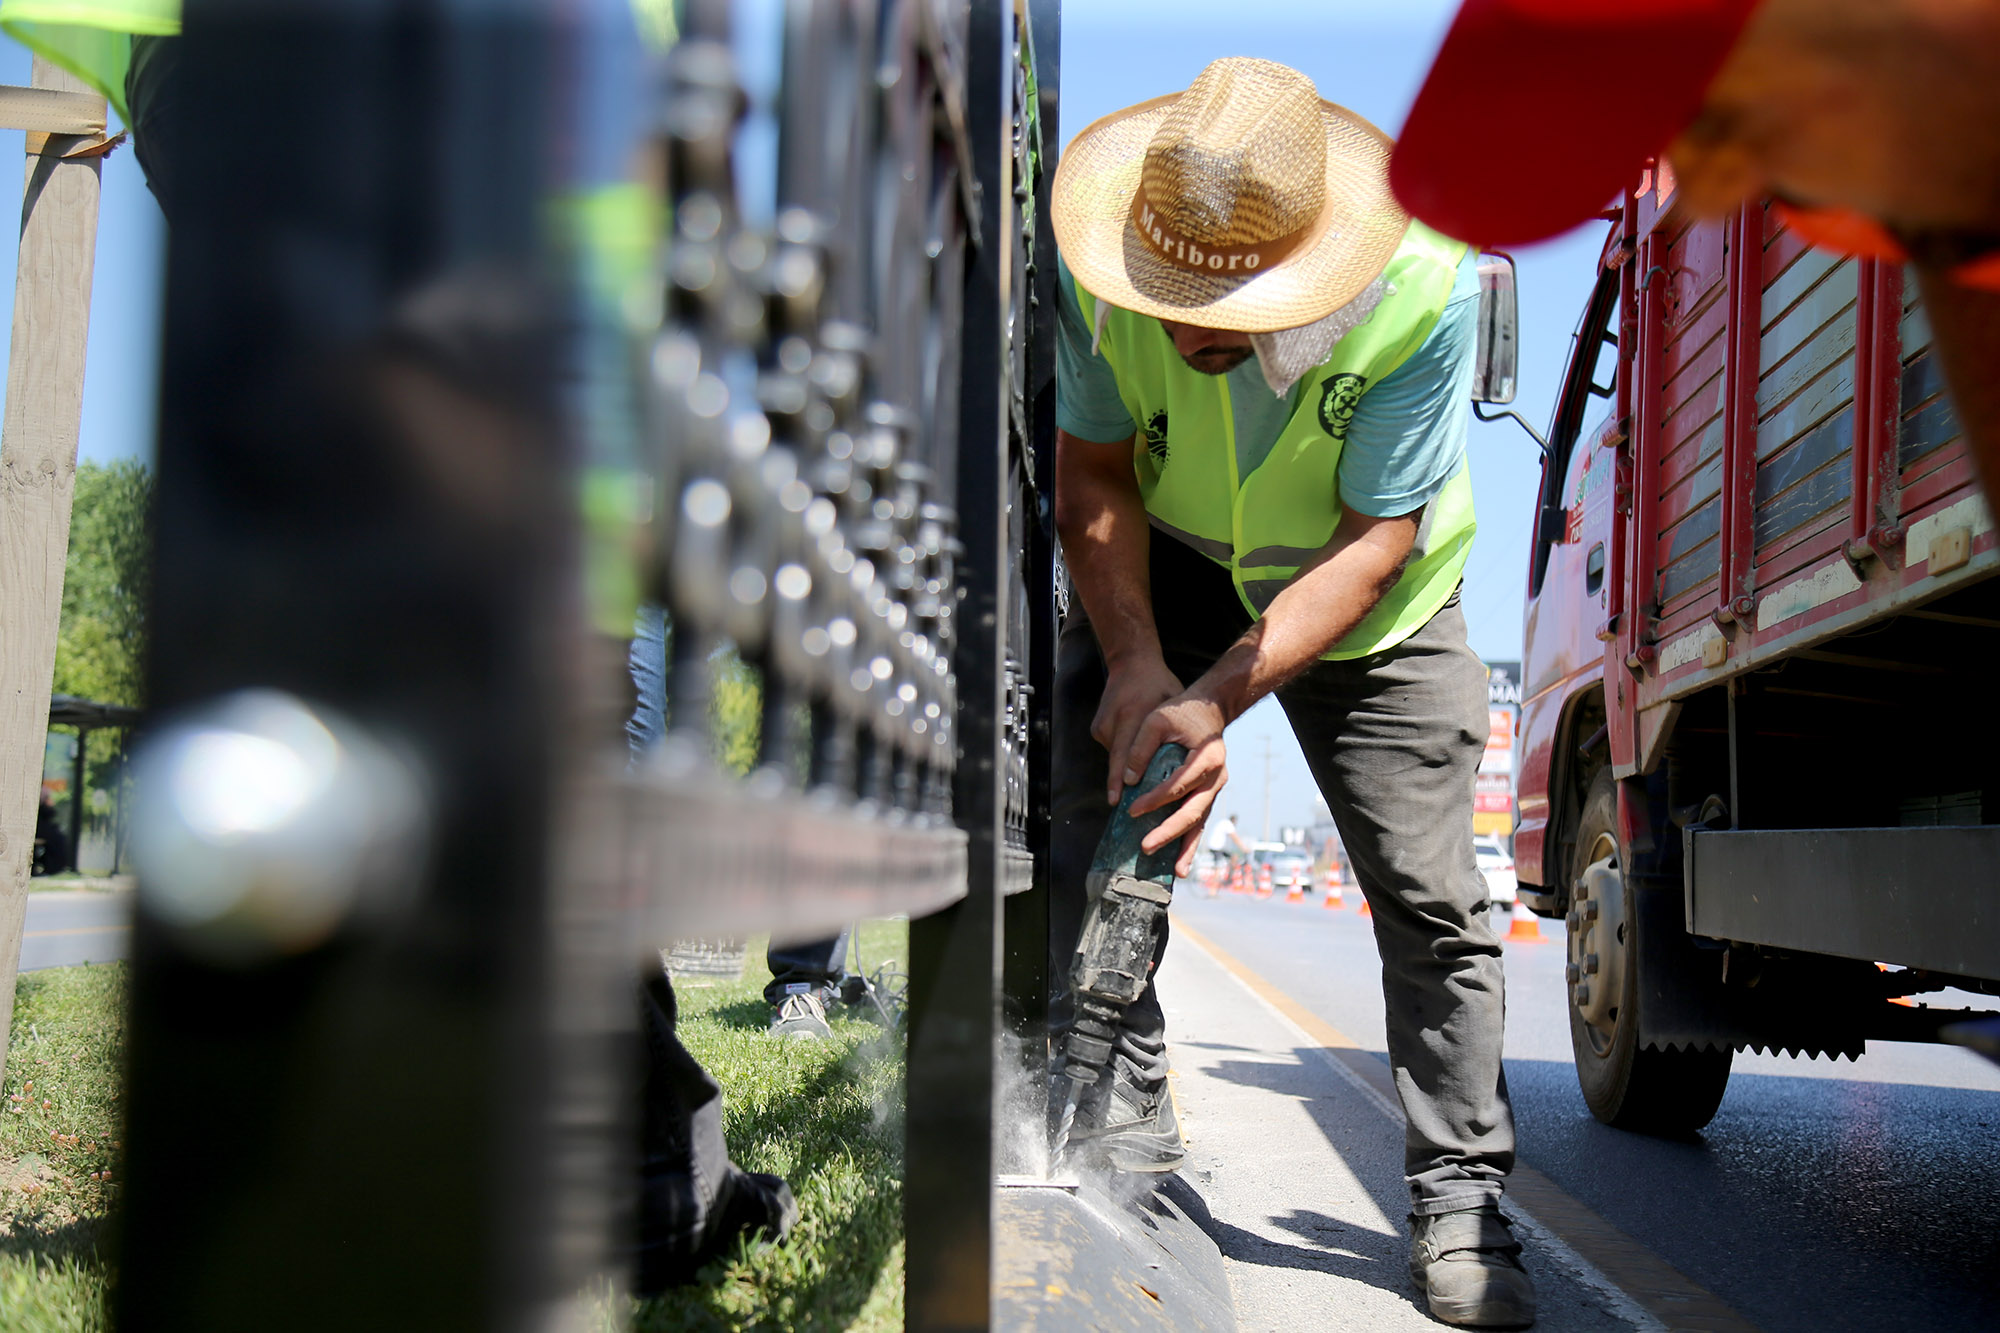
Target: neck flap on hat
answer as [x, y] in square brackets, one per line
[1288, 354]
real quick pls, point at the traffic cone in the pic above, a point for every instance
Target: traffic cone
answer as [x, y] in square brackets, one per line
[1264, 880]
[1297, 892]
[1209, 880]
[1523, 929]
[1364, 906]
[1332, 899]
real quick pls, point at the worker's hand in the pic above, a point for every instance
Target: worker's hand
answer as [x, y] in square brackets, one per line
[1134, 689]
[1195, 721]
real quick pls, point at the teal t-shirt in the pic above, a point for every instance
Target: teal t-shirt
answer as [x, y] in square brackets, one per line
[1408, 435]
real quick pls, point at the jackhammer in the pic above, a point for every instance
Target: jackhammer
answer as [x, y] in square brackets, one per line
[1129, 891]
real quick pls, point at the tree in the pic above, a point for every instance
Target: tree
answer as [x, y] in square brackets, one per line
[737, 705]
[101, 645]
[107, 580]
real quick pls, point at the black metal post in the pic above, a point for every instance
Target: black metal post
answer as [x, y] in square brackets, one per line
[1027, 913]
[361, 503]
[955, 954]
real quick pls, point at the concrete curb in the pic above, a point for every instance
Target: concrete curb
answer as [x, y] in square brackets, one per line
[1087, 1260]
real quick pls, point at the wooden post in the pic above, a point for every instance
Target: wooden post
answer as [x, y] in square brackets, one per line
[37, 481]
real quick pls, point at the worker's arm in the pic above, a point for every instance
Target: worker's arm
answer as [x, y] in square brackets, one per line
[1322, 604]
[1102, 521]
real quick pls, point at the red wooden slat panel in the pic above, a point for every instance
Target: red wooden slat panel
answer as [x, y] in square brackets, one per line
[1692, 359]
[1692, 431]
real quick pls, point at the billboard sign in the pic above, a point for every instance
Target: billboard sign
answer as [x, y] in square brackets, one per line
[1493, 790]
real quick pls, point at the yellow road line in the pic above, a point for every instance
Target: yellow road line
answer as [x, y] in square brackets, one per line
[1652, 1283]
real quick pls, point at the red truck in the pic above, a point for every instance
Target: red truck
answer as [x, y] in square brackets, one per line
[1758, 733]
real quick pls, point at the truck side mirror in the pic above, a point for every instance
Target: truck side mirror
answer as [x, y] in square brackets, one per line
[1499, 331]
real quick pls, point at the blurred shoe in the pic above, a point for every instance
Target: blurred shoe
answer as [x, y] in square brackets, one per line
[1468, 1266]
[801, 1014]
[681, 1233]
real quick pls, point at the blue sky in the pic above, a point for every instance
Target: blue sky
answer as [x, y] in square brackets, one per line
[1368, 55]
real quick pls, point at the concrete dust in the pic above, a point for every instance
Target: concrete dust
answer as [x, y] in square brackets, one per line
[1020, 1111]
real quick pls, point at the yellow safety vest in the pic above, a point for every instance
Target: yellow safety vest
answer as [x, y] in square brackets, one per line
[92, 39]
[1263, 526]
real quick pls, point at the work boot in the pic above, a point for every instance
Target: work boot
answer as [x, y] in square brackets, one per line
[801, 1014]
[1128, 1125]
[1468, 1265]
[680, 1236]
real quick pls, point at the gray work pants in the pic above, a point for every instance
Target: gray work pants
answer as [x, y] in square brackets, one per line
[1393, 741]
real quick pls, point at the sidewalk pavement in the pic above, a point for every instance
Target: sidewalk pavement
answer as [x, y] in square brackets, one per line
[65, 927]
[1299, 1160]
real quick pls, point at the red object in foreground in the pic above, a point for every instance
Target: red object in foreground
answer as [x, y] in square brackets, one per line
[1519, 131]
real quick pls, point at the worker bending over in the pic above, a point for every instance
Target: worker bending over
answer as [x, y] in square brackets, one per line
[1264, 373]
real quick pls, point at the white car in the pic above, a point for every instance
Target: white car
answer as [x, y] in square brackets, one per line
[1291, 871]
[1496, 863]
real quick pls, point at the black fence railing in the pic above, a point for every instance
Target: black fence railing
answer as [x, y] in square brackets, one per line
[381, 1023]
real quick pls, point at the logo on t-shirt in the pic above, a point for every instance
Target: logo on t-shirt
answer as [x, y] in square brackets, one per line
[1339, 395]
[1156, 437]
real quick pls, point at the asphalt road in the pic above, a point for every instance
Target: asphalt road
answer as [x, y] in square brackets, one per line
[65, 927]
[1849, 1194]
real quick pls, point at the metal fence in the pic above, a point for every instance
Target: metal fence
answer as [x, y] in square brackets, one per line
[380, 1068]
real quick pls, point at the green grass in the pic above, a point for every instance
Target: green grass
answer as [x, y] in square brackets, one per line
[60, 1131]
[828, 1117]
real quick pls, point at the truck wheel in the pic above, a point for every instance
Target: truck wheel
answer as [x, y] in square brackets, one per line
[1652, 1091]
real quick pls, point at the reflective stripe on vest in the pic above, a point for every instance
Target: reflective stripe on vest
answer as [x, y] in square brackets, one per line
[1265, 525]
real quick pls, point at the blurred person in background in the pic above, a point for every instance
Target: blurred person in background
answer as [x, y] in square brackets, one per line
[1225, 843]
[52, 849]
[805, 977]
[1873, 124]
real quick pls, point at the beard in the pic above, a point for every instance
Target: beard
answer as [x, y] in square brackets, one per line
[1218, 360]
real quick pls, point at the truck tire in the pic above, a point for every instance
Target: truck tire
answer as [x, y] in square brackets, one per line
[1624, 1084]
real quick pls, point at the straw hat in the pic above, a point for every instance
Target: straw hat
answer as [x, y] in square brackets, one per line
[1245, 203]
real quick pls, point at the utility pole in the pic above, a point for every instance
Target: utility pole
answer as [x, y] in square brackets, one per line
[38, 433]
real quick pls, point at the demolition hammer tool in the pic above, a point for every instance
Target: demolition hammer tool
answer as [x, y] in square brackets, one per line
[1129, 891]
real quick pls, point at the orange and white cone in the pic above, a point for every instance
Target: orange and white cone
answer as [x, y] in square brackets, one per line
[1523, 929]
[1296, 893]
[1332, 900]
[1264, 880]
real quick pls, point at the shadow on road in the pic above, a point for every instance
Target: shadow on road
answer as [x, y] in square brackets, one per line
[1329, 1253]
[1807, 1203]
